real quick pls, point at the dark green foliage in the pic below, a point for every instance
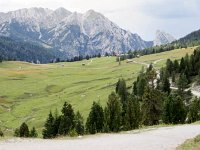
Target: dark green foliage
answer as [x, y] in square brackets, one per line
[23, 51]
[23, 130]
[48, 131]
[79, 125]
[166, 86]
[67, 119]
[182, 83]
[132, 114]
[174, 110]
[151, 107]
[95, 120]
[113, 112]
[121, 90]
[1, 133]
[16, 133]
[194, 109]
[56, 123]
[140, 84]
[176, 66]
[169, 66]
[33, 133]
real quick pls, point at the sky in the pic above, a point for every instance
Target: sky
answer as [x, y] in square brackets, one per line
[144, 17]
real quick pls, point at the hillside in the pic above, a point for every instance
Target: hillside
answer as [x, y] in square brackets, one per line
[35, 89]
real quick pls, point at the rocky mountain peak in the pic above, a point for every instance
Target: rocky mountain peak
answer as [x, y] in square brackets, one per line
[163, 38]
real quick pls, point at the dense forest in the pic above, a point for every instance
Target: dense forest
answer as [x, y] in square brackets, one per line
[151, 101]
[24, 51]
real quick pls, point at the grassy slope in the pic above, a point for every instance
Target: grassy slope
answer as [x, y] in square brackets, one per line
[191, 144]
[28, 92]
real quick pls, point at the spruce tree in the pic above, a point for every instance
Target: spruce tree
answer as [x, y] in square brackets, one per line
[132, 114]
[33, 133]
[23, 130]
[113, 111]
[95, 120]
[79, 125]
[48, 131]
[151, 107]
[193, 114]
[67, 119]
[182, 83]
[166, 86]
[121, 90]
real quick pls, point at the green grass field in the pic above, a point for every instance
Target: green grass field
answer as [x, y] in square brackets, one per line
[28, 91]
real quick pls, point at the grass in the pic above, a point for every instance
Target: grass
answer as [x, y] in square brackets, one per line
[192, 144]
[28, 91]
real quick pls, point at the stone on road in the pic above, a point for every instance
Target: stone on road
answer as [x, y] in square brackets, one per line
[164, 138]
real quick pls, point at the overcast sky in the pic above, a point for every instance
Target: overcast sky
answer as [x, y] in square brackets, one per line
[177, 17]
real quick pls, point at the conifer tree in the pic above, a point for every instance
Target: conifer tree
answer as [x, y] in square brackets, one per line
[122, 91]
[33, 133]
[79, 125]
[23, 130]
[132, 114]
[151, 107]
[113, 111]
[182, 83]
[48, 131]
[95, 120]
[67, 119]
[193, 114]
[166, 86]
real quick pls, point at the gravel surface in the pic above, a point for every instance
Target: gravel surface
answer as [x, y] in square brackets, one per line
[164, 138]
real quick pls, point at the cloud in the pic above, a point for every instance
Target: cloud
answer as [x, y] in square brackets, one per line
[178, 17]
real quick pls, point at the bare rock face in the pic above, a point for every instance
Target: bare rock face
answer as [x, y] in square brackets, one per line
[163, 38]
[70, 32]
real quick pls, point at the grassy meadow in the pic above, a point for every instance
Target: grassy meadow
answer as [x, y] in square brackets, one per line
[29, 91]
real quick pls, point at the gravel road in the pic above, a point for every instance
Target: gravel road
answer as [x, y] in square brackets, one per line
[164, 138]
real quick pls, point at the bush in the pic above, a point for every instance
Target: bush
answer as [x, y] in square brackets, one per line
[16, 133]
[33, 133]
[73, 133]
[1, 133]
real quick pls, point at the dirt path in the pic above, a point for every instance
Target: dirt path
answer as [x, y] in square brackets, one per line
[164, 138]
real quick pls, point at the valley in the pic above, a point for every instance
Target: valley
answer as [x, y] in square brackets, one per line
[29, 91]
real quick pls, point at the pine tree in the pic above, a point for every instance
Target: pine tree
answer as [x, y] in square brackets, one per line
[167, 110]
[193, 114]
[182, 83]
[23, 130]
[182, 65]
[113, 112]
[79, 125]
[178, 110]
[67, 119]
[95, 120]
[56, 124]
[151, 107]
[176, 66]
[48, 131]
[132, 114]
[122, 91]
[166, 86]
[33, 133]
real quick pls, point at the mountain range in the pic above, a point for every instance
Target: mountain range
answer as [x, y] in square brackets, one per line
[30, 33]
[71, 33]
